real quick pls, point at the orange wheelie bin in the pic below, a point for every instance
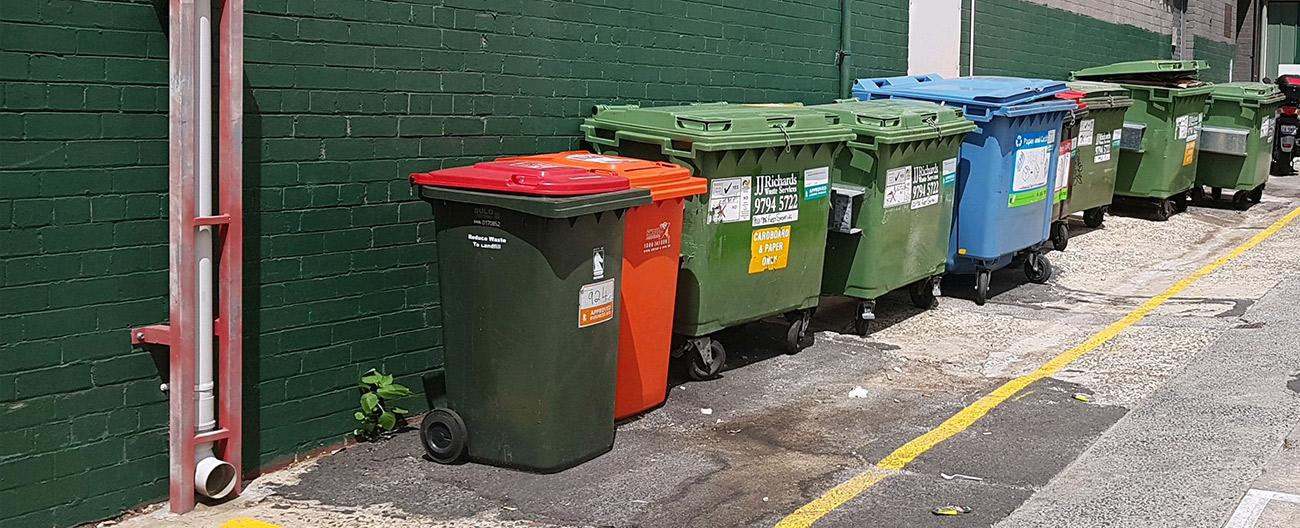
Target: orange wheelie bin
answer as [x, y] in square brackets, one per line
[651, 251]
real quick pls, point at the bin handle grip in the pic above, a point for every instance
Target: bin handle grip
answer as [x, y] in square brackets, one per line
[664, 143]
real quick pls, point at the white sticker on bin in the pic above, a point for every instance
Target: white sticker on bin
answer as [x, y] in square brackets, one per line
[729, 200]
[596, 303]
[597, 158]
[898, 186]
[1086, 132]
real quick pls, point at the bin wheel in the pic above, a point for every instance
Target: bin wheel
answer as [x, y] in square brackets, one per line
[1198, 193]
[922, 293]
[798, 335]
[1181, 202]
[1165, 210]
[861, 326]
[1037, 268]
[1216, 194]
[1241, 199]
[443, 434]
[982, 286]
[1060, 235]
[706, 358]
[1094, 217]
[1257, 195]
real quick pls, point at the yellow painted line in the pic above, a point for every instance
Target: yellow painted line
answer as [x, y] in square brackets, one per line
[901, 457]
[245, 522]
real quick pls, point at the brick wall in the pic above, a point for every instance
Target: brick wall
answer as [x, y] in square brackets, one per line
[1021, 38]
[1244, 63]
[1219, 55]
[342, 98]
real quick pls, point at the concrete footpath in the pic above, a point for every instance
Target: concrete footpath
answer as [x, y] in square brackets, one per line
[1189, 409]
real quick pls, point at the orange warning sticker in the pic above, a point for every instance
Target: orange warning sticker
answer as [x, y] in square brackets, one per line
[596, 303]
[769, 249]
[1189, 153]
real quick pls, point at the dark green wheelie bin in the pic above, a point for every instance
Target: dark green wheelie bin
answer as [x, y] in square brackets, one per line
[752, 247]
[529, 258]
[1237, 141]
[1067, 168]
[892, 193]
[1097, 149]
[1161, 129]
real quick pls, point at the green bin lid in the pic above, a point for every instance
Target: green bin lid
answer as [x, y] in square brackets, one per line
[718, 126]
[1103, 95]
[1253, 92]
[1142, 67]
[899, 120]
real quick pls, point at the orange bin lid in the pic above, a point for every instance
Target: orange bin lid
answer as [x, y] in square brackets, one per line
[665, 181]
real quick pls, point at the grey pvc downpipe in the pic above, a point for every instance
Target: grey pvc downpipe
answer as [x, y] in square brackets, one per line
[846, 44]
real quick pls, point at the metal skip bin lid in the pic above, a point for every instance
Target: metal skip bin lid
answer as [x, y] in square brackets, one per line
[981, 90]
[664, 180]
[537, 178]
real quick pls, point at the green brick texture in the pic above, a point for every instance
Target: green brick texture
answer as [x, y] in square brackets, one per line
[1219, 55]
[343, 98]
[1023, 39]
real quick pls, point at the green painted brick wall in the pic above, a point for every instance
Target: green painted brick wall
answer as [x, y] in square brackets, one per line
[1018, 38]
[342, 98]
[1218, 54]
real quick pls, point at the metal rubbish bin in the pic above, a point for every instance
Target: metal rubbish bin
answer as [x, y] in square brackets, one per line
[1162, 129]
[1097, 149]
[529, 263]
[752, 246]
[1007, 169]
[892, 195]
[651, 253]
[1237, 141]
[1066, 168]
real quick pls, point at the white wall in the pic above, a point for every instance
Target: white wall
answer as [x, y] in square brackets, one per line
[934, 37]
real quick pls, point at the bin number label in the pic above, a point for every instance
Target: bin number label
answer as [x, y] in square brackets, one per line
[769, 249]
[1033, 159]
[1061, 189]
[776, 199]
[596, 303]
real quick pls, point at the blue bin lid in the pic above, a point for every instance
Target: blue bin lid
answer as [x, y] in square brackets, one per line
[997, 95]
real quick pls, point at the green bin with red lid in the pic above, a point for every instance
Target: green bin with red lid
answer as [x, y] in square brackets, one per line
[529, 268]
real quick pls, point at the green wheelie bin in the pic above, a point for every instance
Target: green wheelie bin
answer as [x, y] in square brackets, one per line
[1237, 141]
[752, 246]
[1067, 168]
[892, 193]
[1161, 130]
[529, 267]
[1097, 149]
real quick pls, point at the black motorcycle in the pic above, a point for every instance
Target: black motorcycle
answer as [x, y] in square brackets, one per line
[1288, 122]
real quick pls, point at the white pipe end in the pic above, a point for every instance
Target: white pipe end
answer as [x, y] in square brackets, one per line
[214, 478]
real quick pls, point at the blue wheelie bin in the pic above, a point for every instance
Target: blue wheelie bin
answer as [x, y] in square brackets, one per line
[1005, 177]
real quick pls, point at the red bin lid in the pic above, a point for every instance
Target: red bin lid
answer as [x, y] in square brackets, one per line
[524, 177]
[1073, 95]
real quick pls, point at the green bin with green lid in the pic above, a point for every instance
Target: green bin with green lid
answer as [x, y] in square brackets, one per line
[529, 264]
[1097, 149]
[1237, 140]
[752, 246]
[892, 193]
[1161, 130]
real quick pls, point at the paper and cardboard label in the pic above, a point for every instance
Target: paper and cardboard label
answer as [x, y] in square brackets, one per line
[816, 183]
[1189, 153]
[1086, 132]
[769, 249]
[1033, 158]
[596, 303]
[729, 200]
[776, 199]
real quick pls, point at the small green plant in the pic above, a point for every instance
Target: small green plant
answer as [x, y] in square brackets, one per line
[377, 416]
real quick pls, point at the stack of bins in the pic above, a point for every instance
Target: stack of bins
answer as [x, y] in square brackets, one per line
[529, 262]
[651, 249]
[1007, 167]
[1097, 150]
[1237, 140]
[1162, 129]
[752, 247]
[892, 201]
[1066, 167]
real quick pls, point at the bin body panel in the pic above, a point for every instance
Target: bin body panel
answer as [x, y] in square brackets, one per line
[753, 245]
[1097, 159]
[1252, 108]
[1166, 164]
[897, 229]
[1067, 164]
